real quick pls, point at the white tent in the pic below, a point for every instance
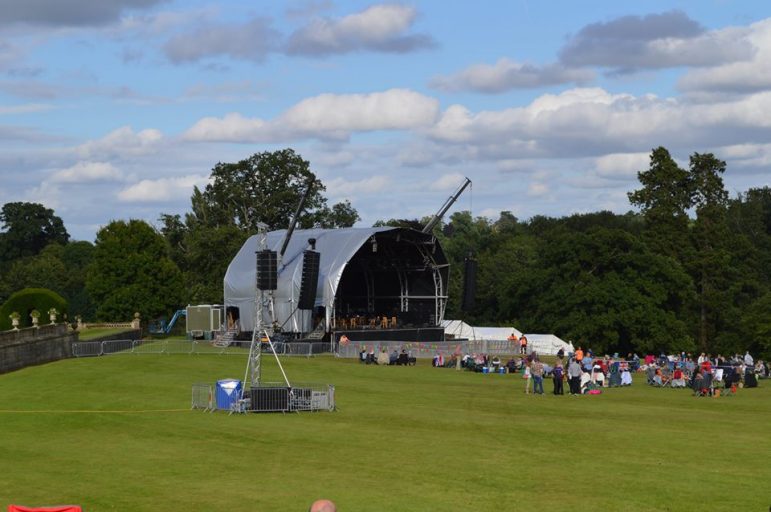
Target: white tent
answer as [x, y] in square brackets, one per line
[408, 272]
[547, 344]
[460, 329]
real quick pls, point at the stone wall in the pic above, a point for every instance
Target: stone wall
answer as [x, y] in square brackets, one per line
[31, 346]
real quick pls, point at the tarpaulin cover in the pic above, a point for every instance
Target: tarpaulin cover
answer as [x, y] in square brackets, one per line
[227, 393]
[60, 508]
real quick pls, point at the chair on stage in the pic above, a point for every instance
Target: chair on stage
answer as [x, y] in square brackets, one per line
[393, 322]
[384, 322]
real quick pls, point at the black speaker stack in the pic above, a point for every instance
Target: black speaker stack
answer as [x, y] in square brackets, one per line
[469, 283]
[267, 270]
[310, 280]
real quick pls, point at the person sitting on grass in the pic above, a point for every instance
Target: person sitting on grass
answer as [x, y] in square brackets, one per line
[382, 358]
[678, 379]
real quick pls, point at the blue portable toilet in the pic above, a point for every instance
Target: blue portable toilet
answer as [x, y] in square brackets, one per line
[227, 393]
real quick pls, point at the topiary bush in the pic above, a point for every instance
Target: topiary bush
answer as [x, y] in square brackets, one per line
[27, 300]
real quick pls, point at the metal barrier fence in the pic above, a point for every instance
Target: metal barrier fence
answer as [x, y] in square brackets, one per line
[429, 349]
[270, 397]
[101, 348]
[277, 397]
[87, 349]
[202, 397]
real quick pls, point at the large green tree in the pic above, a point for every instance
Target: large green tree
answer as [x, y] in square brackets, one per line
[131, 272]
[27, 229]
[711, 239]
[262, 189]
[266, 188]
[664, 200]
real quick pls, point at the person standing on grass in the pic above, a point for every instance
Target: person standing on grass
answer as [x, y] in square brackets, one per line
[574, 374]
[558, 373]
[526, 377]
[537, 371]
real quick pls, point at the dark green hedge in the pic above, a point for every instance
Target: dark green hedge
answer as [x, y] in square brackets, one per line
[24, 301]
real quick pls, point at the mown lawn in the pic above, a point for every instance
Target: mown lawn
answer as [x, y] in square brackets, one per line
[116, 433]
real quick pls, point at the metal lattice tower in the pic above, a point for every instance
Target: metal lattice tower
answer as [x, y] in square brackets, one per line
[260, 330]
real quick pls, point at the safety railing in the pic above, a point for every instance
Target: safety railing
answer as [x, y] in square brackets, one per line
[113, 347]
[428, 349]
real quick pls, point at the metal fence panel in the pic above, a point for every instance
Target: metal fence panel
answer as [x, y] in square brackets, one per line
[152, 347]
[202, 397]
[87, 348]
[117, 347]
[428, 349]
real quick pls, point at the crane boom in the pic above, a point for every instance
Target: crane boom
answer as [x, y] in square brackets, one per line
[293, 222]
[446, 206]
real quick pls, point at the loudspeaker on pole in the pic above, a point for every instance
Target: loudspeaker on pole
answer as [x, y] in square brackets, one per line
[310, 280]
[267, 270]
[469, 283]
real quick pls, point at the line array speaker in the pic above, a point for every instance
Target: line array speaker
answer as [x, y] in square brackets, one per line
[267, 270]
[310, 280]
[469, 284]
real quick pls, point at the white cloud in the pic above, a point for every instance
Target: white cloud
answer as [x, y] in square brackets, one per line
[621, 165]
[537, 189]
[252, 40]
[122, 142]
[24, 109]
[379, 27]
[448, 181]
[395, 109]
[84, 172]
[655, 41]
[327, 116]
[591, 122]
[506, 74]
[744, 76]
[341, 187]
[232, 128]
[73, 13]
[160, 190]
[47, 193]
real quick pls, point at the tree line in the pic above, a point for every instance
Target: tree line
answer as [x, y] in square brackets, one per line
[689, 271]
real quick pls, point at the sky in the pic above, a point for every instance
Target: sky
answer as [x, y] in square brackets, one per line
[116, 109]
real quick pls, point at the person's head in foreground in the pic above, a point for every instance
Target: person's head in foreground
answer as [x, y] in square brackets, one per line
[322, 506]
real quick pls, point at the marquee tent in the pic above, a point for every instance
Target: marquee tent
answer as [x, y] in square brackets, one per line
[460, 329]
[546, 344]
[383, 270]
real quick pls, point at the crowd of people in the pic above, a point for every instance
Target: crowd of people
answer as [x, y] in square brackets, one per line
[704, 374]
[587, 374]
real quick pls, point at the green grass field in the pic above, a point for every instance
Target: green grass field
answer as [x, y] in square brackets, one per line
[116, 434]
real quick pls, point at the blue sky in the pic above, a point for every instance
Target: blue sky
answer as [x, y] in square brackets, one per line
[116, 109]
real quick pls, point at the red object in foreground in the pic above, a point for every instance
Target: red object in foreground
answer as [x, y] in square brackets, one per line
[60, 508]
